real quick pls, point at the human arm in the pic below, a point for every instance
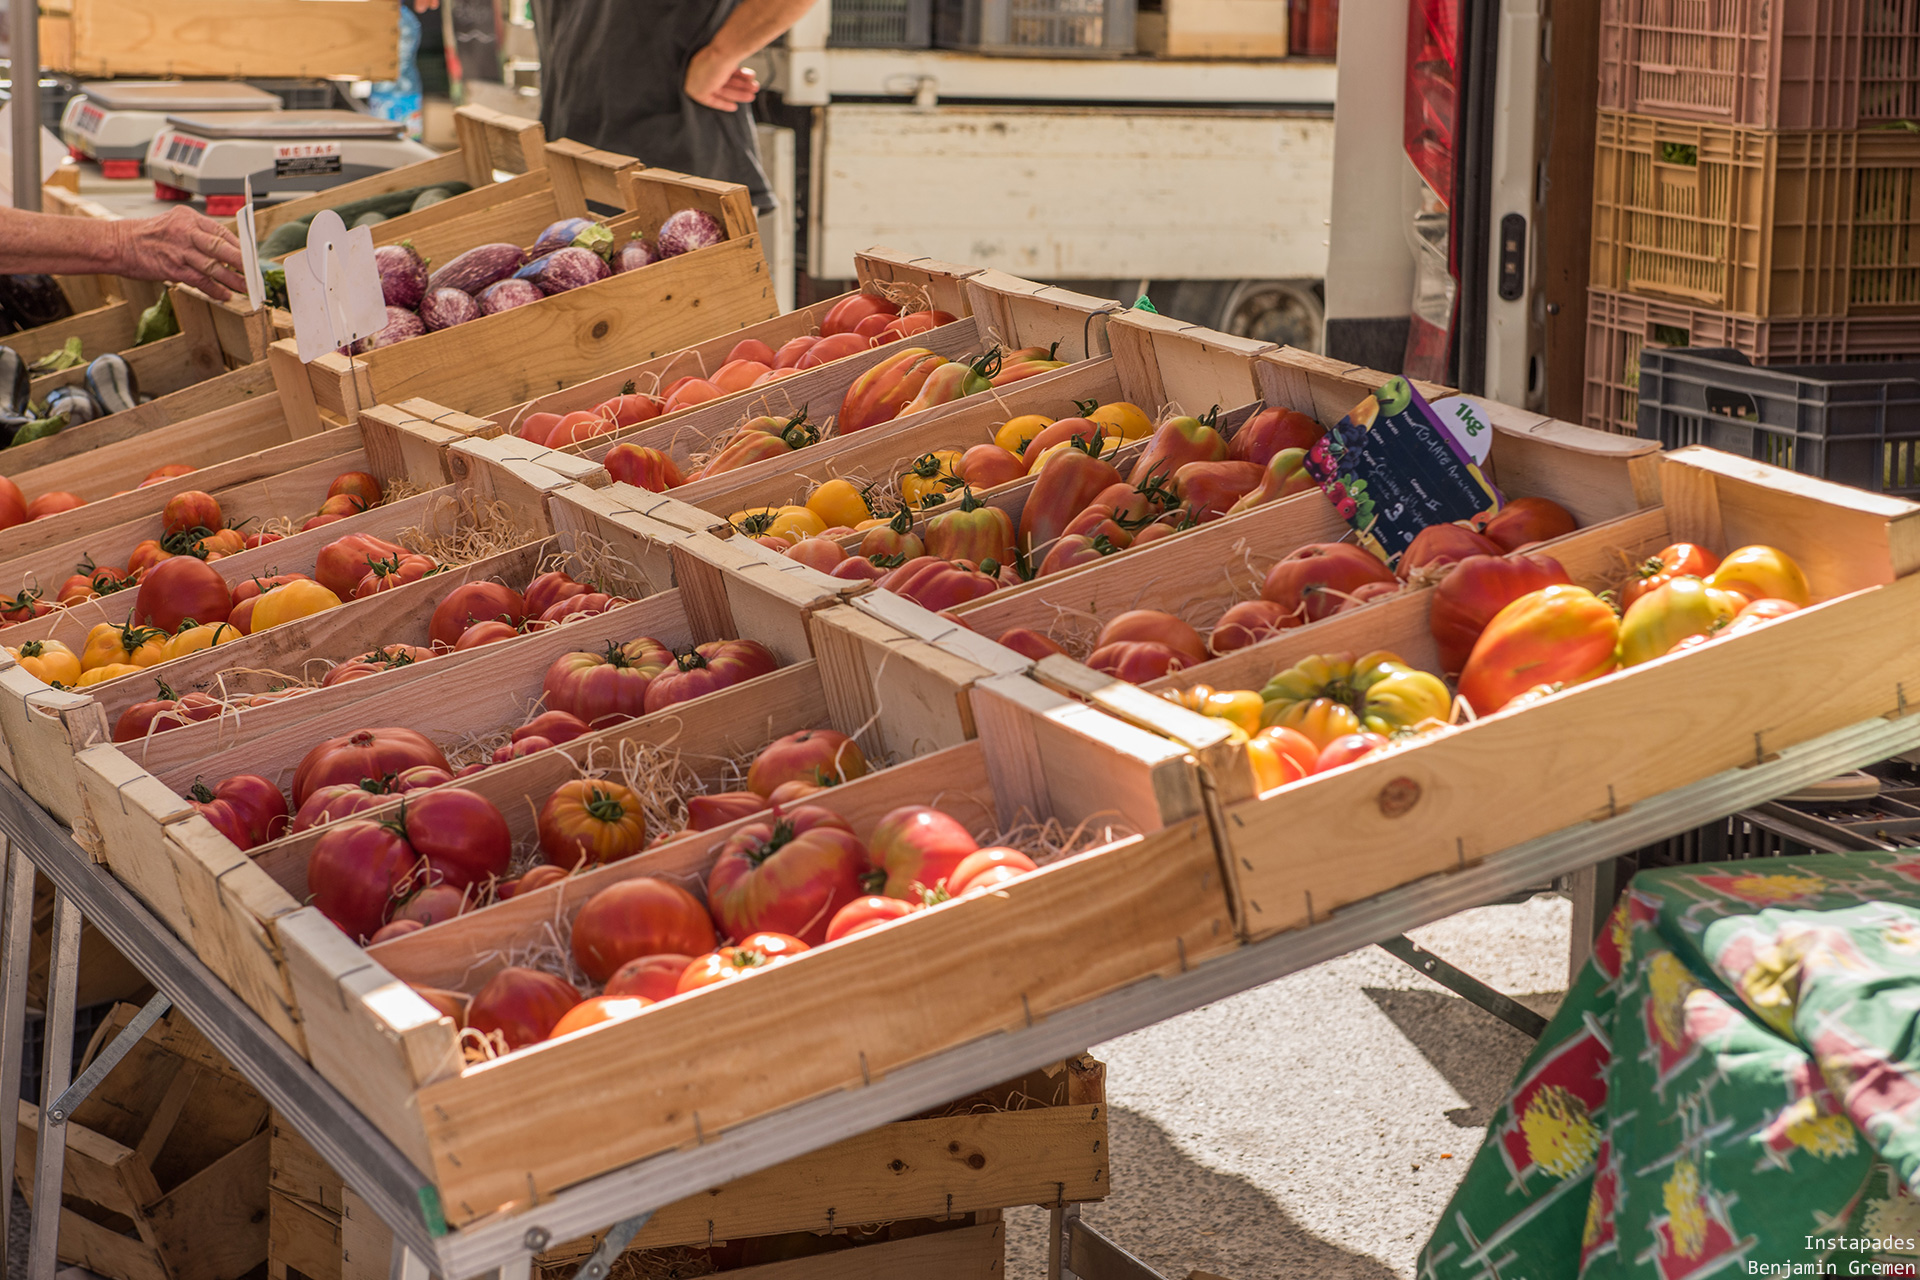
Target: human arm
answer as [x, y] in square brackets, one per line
[715, 77]
[180, 246]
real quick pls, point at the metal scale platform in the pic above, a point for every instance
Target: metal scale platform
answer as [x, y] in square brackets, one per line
[114, 121]
[285, 153]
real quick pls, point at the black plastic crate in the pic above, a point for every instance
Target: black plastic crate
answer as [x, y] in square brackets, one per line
[1856, 424]
[1039, 28]
[881, 24]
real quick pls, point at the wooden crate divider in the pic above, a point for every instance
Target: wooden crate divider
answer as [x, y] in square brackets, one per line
[509, 357]
[1015, 313]
[411, 440]
[1169, 365]
[264, 38]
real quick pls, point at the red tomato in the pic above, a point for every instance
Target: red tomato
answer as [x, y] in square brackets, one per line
[704, 813]
[473, 602]
[397, 929]
[432, 905]
[690, 392]
[167, 472]
[460, 835]
[1029, 643]
[555, 726]
[550, 589]
[366, 754]
[595, 1010]
[484, 633]
[751, 349]
[394, 571]
[1308, 585]
[918, 845]
[1246, 623]
[630, 408]
[179, 588]
[591, 821]
[1439, 545]
[1478, 588]
[351, 872]
[982, 860]
[823, 757]
[845, 315]
[532, 881]
[646, 916]
[359, 484]
[1527, 520]
[652, 977]
[867, 913]
[605, 688]
[791, 352]
[341, 564]
[536, 427]
[586, 606]
[718, 664]
[163, 713]
[1558, 635]
[49, 504]
[13, 504]
[790, 873]
[521, 1006]
[339, 800]
[343, 505]
[1347, 748]
[644, 467]
[258, 802]
[1163, 628]
[1681, 560]
[754, 953]
[1136, 661]
[1766, 610]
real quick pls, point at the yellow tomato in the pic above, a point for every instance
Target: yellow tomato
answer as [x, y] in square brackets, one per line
[796, 523]
[291, 600]
[137, 646]
[931, 475]
[111, 671]
[1124, 417]
[873, 522]
[1109, 445]
[839, 502]
[204, 636]
[1013, 436]
[1240, 708]
[49, 661]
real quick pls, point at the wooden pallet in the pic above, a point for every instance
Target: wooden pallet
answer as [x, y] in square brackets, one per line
[231, 38]
[166, 1165]
[1032, 1140]
[504, 359]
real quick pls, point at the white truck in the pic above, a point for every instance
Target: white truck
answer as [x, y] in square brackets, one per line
[1207, 182]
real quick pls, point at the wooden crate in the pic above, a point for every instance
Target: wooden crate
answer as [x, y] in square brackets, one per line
[1214, 29]
[1031, 1140]
[1161, 906]
[1199, 573]
[999, 306]
[166, 1165]
[504, 359]
[489, 142]
[43, 726]
[358, 38]
[1450, 800]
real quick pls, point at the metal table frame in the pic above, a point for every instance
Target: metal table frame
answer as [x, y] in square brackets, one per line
[622, 1199]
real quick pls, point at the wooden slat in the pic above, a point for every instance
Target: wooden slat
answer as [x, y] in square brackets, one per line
[410, 440]
[224, 391]
[232, 38]
[967, 1253]
[44, 727]
[1166, 364]
[1020, 313]
[897, 695]
[300, 1238]
[214, 1225]
[921, 284]
[105, 328]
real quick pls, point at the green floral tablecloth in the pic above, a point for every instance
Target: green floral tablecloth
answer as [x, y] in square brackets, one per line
[1731, 1088]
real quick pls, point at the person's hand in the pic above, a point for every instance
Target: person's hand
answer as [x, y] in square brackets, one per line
[421, 6]
[183, 247]
[718, 81]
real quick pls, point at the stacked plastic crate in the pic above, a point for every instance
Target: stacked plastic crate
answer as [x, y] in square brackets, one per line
[1756, 187]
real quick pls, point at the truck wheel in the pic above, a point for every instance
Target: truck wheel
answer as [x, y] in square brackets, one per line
[1288, 312]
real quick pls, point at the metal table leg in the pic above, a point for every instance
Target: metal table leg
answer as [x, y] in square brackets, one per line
[1462, 983]
[16, 938]
[63, 976]
[63, 1106]
[1091, 1256]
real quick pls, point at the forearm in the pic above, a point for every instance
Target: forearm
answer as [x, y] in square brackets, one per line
[755, 24]
[53, 245]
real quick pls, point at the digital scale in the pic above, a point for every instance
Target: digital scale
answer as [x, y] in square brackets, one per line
[285, 153]
[114, 121]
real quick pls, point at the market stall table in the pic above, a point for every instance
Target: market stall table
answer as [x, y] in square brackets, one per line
[404, 1199]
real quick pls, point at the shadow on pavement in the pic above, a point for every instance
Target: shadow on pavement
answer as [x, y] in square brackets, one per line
[1474, 1051]
[1178, 1216]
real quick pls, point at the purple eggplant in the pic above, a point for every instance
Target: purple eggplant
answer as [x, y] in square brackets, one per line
[583, 233]
[565, 269]
[445, 308]
[403, 274]
[401, 325]
[477, 268]
[634, 253]
[686, 231]
[508, 294]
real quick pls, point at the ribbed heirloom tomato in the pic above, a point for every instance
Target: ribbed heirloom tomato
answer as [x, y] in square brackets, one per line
[918, 845]
[591, 821]
[363, 754]
[718, 664]
[1558, 635]
[823, 757]
[351, 874]
[473, 602]
[521, 1006]
[608, 686]
[789, 874]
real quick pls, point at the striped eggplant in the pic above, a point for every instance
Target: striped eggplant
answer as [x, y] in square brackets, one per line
[445, 308]
[74, 403]
[634, 253]
[565, 269]
[111, 383]
[687, 230]
[16, 384]
[508, 294]
[477, 268]
[583, 233]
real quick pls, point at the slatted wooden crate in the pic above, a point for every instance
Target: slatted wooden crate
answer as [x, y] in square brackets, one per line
[269, 38]
[506, 358]
[1002, 311]
[1032, 1140]
[1160, 906]
[166, 1165]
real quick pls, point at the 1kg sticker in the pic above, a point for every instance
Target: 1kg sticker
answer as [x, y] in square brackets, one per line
[1394, 465]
